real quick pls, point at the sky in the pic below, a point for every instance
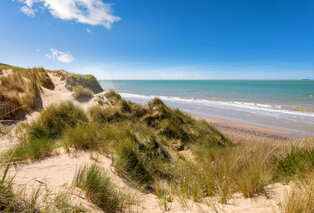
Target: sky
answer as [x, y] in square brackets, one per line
[161, 39]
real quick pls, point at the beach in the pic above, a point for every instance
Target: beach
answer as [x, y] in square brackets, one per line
[280, 107]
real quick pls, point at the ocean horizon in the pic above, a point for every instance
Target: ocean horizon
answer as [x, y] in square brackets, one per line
[280, 104]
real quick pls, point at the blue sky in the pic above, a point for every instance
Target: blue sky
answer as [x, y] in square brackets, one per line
[161, 39]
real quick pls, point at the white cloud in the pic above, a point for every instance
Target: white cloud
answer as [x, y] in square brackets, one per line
[93, 12]
[28, 11]
[88, 30]
[60, 56]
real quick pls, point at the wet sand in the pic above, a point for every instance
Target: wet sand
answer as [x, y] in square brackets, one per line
[244, 133]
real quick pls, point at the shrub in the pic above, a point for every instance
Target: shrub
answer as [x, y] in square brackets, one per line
[99, 189]
[296, 162]
[55, 119]
[80, 92]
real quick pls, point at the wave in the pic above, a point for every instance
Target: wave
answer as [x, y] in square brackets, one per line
[234, 105]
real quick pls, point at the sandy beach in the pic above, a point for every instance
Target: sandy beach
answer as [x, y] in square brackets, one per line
[242, 132]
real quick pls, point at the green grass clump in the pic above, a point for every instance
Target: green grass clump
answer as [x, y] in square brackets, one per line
[41, 135]
[80, 76]
[113, 97]
[55, 119]
[296, 162]
[109, 114]
[33, 149]
[80, 92]
[129, 163]
[88, 136]
[99, 189]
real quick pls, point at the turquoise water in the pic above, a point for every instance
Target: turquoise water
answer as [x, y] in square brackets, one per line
[285, 105]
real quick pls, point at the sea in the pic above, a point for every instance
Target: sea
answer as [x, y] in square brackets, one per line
[280, 104]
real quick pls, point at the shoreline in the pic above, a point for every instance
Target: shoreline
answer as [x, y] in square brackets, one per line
[242, 132]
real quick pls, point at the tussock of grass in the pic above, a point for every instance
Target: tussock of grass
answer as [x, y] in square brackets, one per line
[301, 197]
[99, 189]
[130, 164]
[55, 119]
[113, 97]
[298, 161]
[107, 115]
[226, 170]
[41, 135]
[88, 136]
[33, 149]
[80, 92]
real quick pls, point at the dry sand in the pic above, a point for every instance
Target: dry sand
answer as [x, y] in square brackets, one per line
[56, 173]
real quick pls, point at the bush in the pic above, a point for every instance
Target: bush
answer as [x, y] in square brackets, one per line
[296, 162]
[80, 92]
[55, 119]
[99, 189]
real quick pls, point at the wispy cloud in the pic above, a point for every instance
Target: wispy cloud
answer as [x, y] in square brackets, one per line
[60, 56]
[28, 11]
[88, 30]
[93, 12]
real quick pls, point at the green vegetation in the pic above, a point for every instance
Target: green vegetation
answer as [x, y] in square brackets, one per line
[298, 161]
[86, 81]
[99, 189]
[113, 97]
[33, 149]
[80, 92]
[55, 119]
[161, 150]
[41, 135]
[84, 137]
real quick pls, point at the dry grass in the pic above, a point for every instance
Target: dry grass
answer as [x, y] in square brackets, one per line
[245, 168]
[20, 88]
[99, 189]
[301, 197]
[80, 92]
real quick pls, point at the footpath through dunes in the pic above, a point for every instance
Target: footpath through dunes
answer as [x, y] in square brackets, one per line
[81, 151]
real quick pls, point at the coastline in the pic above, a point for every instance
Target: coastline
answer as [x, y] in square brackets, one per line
[245, 133]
